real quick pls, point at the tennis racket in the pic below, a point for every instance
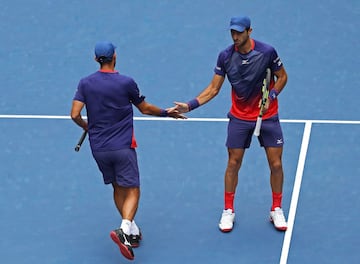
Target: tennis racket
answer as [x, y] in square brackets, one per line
[265, 97]
[81, 140]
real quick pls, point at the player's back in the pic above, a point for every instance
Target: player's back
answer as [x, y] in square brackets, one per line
[109, 109]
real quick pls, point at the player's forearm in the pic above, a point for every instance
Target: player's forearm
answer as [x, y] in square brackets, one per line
[206, 95]
[150, 109]
[280, 84]
[281, 80]
[79, 121]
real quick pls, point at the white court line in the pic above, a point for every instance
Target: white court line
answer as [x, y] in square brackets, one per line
[191, 119]
[296, 192]
[34, 117]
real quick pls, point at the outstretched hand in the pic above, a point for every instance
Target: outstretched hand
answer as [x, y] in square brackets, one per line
[181, 107]
[175, 113]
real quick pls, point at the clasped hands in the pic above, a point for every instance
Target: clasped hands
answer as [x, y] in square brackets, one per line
[178, 110]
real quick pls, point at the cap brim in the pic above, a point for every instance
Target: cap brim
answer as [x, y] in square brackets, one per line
[237, 28]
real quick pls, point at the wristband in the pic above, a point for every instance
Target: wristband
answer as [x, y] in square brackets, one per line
[273, 94]
[163, 113]
[193, 104]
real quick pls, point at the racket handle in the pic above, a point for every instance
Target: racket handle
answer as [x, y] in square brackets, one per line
[258, 126]
[81, 140]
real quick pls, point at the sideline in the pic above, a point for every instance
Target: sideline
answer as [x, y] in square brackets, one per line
[296, 192]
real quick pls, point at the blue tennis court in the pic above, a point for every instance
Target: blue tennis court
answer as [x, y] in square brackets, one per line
[54, 206]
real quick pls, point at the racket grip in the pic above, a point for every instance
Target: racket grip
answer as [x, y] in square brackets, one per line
[81, 140]
[258, 126]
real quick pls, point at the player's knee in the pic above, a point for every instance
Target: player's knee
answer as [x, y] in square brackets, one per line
[234, 164]
[276, 166]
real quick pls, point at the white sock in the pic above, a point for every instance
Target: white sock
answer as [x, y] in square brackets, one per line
[125, 226]
[134, 229]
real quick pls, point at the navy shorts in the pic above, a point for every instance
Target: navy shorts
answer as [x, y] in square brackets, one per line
[240, 133]
[120, 166]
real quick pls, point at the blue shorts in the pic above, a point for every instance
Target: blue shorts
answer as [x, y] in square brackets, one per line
[240, 133]
[119, 166]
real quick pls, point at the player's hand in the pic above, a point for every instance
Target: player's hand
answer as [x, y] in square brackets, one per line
[84, 125]
[174, 113]
[181, 107]
[266, 104]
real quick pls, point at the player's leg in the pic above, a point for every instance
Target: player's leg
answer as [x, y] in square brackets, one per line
[126, 197]
[231, 180]
[235, 157]
[238, 139]
[105, 162]
[130, 202]
[276, 181]
[119, 198]
[274, 157]
[126, 200]
[271, 138]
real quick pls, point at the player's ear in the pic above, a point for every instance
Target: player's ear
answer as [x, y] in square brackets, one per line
[96, 59]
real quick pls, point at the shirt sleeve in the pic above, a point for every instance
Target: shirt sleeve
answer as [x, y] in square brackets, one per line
[276, 62]
[134, 92]
[79, 94]
[220, 65]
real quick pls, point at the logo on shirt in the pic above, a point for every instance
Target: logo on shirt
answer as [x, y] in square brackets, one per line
[245, 62]
[277, 61]
[218, 68]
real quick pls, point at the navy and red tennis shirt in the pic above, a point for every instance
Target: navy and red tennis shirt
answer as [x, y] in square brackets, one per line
[108, 98]
[246, 73]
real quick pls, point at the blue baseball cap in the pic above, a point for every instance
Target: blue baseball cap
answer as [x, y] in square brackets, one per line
[240, 23]
[105, 50]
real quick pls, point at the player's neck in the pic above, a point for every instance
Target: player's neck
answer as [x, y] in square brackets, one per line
[246, 47]
[107, 68]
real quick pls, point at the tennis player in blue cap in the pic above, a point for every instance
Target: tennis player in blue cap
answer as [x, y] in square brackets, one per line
[108, 97]
[245, 63]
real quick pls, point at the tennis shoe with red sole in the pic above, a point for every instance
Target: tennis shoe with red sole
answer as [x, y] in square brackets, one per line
[227, 221]
[278, 219]
[135, 240]
[122, 240]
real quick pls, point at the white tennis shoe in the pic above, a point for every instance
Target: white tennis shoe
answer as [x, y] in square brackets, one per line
[227, 220]
[278, 219]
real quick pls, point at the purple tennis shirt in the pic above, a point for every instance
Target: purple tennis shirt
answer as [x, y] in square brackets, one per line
[246, 73]
[108, 98]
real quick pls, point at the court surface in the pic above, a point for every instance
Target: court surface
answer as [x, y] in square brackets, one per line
[54, 206]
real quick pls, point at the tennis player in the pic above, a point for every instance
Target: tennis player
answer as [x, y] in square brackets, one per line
[245, 63]
[108, 97]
